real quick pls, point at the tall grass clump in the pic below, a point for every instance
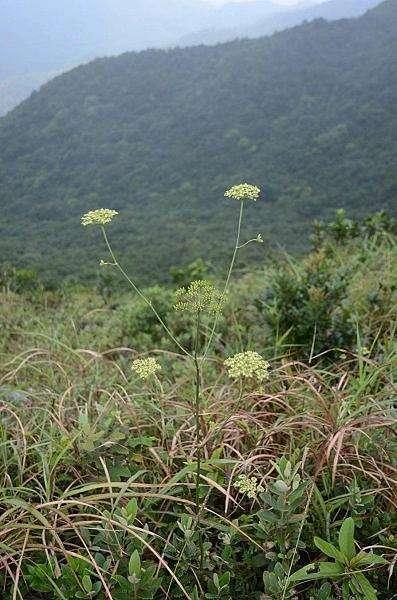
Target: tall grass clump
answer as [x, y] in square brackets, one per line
[227, 439]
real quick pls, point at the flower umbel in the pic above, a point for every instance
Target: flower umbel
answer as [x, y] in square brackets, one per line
[248, 365]
[249, 486]
[101, 216]
[145, 367]
[243, 191]
[199, 296]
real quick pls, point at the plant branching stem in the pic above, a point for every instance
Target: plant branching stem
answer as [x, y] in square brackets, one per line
[195, 357]
[246, 243]
[142, 295]
[229, 274]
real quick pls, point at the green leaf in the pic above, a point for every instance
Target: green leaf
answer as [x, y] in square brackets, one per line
[329, 550]
[267, 516]
[87, 583]
[215, 579]
[346, 538]
[298, 492]
[131, 509]
[134, 566]
[195, 594]
[224, 579]
[366, 558]
[280, 487]
[346, 590]
[321, 570]
[144, 440]
[365, 587]
[97, 587]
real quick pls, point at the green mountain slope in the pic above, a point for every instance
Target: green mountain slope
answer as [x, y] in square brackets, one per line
[35, 43]
[308, 114]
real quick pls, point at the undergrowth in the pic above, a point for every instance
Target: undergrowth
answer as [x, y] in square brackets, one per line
[296, 489]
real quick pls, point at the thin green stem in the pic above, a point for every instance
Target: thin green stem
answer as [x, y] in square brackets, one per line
[229, 274]
[141, 294]
[248, 242]
[197, 407]
[302, 524]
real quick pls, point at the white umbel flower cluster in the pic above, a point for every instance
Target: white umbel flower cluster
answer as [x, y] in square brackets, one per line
[249, 486]
[248, 365]
[145, 367]
[243, 191]
[199, 296]
[101, 216]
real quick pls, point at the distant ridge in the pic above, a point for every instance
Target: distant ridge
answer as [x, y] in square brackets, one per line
[330, 10]
[35, 43]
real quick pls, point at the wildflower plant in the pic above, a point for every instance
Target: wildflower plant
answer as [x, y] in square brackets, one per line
[198, 298]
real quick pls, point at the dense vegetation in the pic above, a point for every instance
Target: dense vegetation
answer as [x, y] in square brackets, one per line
[307, 113]
[98, 466]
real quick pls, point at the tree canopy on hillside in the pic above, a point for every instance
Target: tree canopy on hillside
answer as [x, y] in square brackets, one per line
[307, 114]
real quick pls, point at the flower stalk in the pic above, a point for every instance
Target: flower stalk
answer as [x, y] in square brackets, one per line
[198, 298]
[197, 408]
[141, 294]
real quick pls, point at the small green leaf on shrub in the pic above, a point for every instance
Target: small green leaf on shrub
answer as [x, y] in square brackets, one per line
[87, 583]
[329, 550]
[134, 566]
[321, 570]
[132, 509]
[281, 487]
[346, 538]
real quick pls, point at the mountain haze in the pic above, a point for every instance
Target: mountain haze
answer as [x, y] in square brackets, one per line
[42, 38]
[330, 10]
[308, 114]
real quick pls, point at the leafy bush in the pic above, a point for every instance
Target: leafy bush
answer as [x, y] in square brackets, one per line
[343, 295]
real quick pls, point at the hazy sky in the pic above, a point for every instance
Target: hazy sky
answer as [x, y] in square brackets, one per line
[287, 2]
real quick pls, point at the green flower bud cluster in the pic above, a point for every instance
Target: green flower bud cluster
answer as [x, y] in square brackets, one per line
[243, 191]
[101, 216]
[249, 486]
[199, 296]
[145, 367]
[247, 365]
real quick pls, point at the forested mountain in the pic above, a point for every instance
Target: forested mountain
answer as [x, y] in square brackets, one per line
[308, 114]
[330, 10]
[41, 38]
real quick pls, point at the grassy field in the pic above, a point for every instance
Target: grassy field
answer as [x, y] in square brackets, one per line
[271, 475]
